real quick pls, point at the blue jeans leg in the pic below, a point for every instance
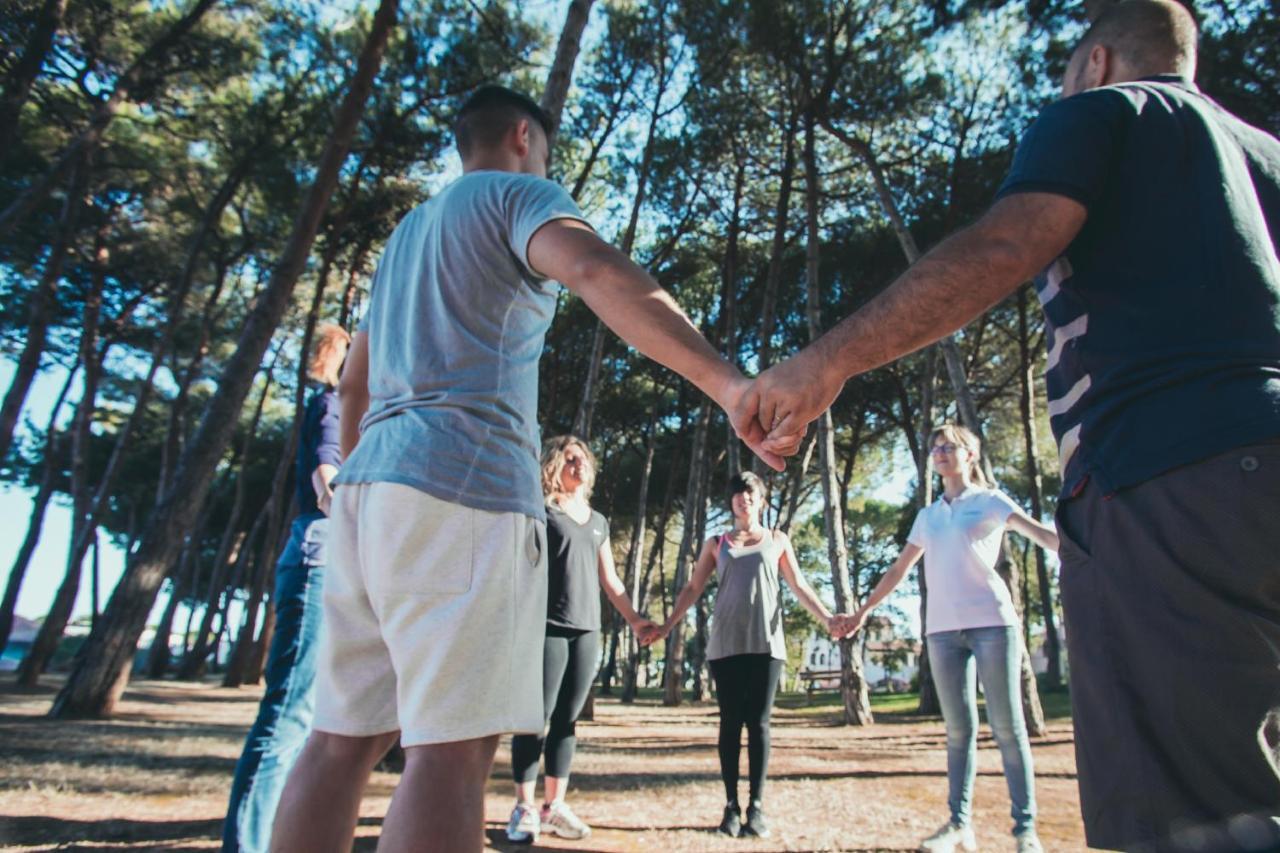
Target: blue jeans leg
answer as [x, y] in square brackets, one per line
[288, 705]
[998, 653]
[951, 660]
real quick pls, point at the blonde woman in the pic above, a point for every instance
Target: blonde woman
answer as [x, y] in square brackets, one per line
[579, 565]
[284, 716]
[970, 620]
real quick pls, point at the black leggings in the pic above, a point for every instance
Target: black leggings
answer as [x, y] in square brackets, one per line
[569, 660]
[745, 685]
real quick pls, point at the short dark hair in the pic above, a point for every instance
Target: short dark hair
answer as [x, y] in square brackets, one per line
[747, 481]
[1152, 36]
[489, 114]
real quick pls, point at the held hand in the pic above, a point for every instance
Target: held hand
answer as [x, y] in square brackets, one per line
[646, 631]
[740, 403]
[854, 622]
[790, 396]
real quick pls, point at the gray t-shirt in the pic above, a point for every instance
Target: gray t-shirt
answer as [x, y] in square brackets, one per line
[456, 323]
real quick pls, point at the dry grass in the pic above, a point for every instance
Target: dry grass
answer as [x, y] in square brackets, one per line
[156, 777]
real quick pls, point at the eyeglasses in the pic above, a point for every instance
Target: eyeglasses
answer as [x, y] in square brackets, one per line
[946, 449]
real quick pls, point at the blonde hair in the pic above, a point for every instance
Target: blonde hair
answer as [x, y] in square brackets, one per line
[962, 437]
[329, 350]
[553, 450]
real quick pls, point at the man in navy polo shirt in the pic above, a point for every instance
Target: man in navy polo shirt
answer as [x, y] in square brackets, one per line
[1153, 215]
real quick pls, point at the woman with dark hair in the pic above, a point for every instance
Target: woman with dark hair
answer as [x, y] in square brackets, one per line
[579, 566]
[747, 648]
[971, 628]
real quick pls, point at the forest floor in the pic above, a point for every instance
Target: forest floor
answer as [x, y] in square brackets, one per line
[156, 777]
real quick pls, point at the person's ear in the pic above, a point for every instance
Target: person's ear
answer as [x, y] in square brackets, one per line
[522, 141]
[1100, 68]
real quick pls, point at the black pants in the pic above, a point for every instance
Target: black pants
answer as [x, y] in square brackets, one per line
[1171, 591]
[569, 660]
[745, 685]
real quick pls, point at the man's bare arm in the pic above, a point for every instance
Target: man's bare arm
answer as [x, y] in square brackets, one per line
[957, 281]
[644, 315]
[353, 392]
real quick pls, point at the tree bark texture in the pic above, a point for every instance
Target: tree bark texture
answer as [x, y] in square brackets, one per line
[101, 672]
[561, 74]
[853, 683]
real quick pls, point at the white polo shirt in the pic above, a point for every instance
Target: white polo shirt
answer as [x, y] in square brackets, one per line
[961, 542]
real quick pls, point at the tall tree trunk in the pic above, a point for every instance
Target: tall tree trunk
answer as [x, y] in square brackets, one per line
[158, 654]
[85, 146]
[228, 553]
[183, 575]
[242, 651]
[39, 504]
[258, 653]
[23, 74]
[729, 298]
[43, 307]
[91, 357]
[673, 673]
[102, 670]
[561, 74]
[853, 682]
[1026, 372]
[586, 406]
[635, 555]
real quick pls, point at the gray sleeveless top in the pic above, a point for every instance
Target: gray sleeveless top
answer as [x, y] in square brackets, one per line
[747, 618]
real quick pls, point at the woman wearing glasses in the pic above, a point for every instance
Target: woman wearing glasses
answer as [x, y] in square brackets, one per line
[970, 620]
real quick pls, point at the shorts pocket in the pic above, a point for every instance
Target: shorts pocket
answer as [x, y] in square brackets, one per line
[415, 544]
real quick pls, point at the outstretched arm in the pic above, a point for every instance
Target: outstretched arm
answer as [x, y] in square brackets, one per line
[644, 315]
[955, 282]
[617, 595]
[787, 567]
[910, 554]
[1042, 534]
[693, 589]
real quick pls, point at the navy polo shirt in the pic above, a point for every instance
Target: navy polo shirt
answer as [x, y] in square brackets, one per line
[1164, 330]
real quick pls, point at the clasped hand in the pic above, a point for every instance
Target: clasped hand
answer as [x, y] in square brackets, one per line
[772, 412]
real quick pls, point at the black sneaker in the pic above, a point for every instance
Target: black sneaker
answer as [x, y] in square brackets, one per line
[731, 825]
[755, 821]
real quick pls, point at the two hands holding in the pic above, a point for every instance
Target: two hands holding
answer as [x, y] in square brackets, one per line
[839, 625]
[772, 412]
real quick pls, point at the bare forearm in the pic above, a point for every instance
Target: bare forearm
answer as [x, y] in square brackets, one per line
[646, 317]
[684, 601]
[810, 601]
[951, 285]
[887, 584]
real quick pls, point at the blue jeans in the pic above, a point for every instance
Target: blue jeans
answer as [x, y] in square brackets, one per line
[288, 705]
[997, 651]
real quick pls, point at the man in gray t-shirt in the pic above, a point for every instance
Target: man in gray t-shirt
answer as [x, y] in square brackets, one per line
[436, 597]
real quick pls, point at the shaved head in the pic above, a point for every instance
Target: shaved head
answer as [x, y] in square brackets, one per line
[1149, 36]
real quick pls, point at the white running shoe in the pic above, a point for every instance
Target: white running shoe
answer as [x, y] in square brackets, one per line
[1029, 843]
[948, 838]
[524, 825]
[559, 819]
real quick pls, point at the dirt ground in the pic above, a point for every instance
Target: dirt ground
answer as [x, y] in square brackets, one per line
[646, 778]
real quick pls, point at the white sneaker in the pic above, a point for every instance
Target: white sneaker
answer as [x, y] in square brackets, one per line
[524, 825]
[948, 838]
[1029, 843]
[560, 820]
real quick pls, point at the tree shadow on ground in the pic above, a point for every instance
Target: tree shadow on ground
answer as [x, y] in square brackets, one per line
[38, 829]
